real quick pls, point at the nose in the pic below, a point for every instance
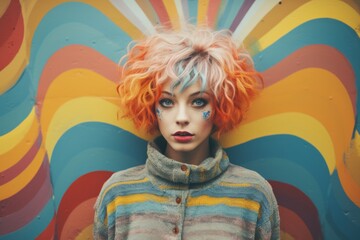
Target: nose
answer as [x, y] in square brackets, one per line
[182, 117]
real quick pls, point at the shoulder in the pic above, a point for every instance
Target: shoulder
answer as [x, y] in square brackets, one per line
[251, 183]
[129, 176]
[238, 174]
[255, 187]
[120, 182]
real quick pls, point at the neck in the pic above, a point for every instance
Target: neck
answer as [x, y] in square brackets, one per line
[195, 157]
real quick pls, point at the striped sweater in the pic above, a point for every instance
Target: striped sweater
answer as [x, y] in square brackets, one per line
[166, 199]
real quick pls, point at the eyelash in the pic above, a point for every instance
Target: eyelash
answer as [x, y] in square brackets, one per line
[204, 102]
[167, 103]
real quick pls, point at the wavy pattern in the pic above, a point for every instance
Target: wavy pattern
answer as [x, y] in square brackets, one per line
[61, 137]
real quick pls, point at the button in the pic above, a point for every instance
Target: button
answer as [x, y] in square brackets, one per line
[184, 168]
[176, 230]
[178, 200]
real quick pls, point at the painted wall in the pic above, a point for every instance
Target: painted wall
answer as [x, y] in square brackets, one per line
[61, 138]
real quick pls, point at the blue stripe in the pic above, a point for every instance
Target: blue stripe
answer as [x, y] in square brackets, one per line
[128, 190]
[228, 13]
[193, 11]
[306, 157]
[273, 157]
[16, 104]
[75, 23]
[344, 216]
[93, 146]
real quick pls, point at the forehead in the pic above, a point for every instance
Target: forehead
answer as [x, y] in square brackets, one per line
[177, 88]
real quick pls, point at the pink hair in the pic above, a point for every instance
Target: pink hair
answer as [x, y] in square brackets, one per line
[182, 57]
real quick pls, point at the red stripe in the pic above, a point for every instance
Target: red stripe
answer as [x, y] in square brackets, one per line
[293, 225]
[292, 198]
[213, 10]
[12, 33]
[23, 207]
[75, 56]
[12, 172]
[49, 232]
[315, 56]
[160, 9]
[85, 187]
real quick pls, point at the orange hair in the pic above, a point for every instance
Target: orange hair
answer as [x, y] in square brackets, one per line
[182, 57]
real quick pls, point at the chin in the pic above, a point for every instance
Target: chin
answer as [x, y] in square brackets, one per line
[183, 147]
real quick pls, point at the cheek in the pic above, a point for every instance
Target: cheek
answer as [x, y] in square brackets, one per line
[158, 112]
[206, 115]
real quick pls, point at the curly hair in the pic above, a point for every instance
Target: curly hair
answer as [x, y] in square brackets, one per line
[184, 57]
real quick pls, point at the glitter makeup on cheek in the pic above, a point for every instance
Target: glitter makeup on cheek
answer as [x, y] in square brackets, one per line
[206, 115]
[158, 112]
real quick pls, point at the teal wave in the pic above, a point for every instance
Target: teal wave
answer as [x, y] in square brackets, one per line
[75, 23]
[325, 31]
[93, 146]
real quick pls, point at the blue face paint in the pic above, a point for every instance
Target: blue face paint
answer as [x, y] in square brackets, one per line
[158, 113]
[206, 115]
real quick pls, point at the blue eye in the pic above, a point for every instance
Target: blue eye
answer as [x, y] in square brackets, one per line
[199, 102]
[166, 102]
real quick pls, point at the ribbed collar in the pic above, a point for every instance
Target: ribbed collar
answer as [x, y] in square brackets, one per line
[176, 172]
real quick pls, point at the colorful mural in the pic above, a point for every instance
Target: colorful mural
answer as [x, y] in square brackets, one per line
[61, 135]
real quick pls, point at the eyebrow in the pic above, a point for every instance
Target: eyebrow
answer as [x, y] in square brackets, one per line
[191, 95]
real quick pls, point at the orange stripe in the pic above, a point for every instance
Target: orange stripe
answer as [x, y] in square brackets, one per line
[13, 156]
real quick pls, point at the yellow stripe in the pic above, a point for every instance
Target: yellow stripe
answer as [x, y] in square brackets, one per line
[352, 157]
[203, 6]
[135, 198]
[13, 156]
[82, 104]
[123, 183]
[179, 187]
[172, 12]
[20, 181]
[4, 4]
[300, 106]
[11, 73]
[230, 184]
[233, 202]
[83, 108]
[297, 124]
[338, 10]
[86, 233]
[79, 83]
[9, 140]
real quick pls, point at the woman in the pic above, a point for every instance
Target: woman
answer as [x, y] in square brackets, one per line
[189, 85]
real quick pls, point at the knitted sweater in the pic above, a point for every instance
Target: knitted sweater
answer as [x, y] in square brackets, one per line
[166, 199]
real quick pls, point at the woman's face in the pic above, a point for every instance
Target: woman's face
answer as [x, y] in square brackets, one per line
[184, 118]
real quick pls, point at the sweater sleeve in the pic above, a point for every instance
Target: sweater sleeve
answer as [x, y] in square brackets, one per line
[100, 230]
[270, 228]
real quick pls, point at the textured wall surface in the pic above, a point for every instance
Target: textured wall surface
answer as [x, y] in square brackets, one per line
[61, 137]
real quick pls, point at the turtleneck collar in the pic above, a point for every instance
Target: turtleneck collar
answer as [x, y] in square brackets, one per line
[176, 172]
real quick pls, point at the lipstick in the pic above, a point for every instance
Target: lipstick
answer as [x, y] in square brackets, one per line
[183, 136]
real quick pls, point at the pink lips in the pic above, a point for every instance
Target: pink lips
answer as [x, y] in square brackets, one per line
[182, 136]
